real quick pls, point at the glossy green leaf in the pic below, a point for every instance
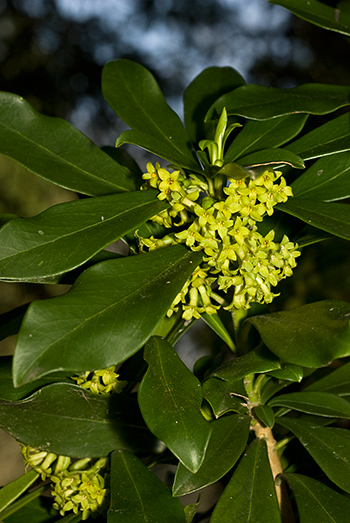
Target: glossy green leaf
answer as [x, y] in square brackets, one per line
[215, 323]
[265, 415]
[329, 449]
[271, 387]
[316, 502]
[318, 13]
[258, 135]
[250, 496]
[326, 180]
[202, 92]
[55, 150]
[277, 157]
[191, 510]
[330, 217]
[34, 509]
[68, 234]
[227, 442]
[288, 372]
[138, 496]
[311, 336]
[225, 396]
[170, 397]
[122, 157]
[337, 382]
[332, 137]
[133, 93]
[10, 492]
[67, 419]
[314, 402]
[257, 360]
[110, 312]
[262, 103]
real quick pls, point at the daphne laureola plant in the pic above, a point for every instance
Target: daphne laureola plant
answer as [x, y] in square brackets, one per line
[95, 392]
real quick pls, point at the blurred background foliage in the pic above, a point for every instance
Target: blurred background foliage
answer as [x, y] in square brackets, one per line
[52, 53]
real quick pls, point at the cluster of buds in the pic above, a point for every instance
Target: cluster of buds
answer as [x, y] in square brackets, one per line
[103, 381]
[220, 219]
[77, 486]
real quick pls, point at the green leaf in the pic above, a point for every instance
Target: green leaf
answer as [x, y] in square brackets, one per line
[332, 137]
[215, 323]
[309, 235]
[329, 449]
[110, 312]
[258, 360]
[326, 180]
[68, 234]
[319, 14]
[10, 321]
[314, 402]
[122, 157]
[265, 415]
[288, 372]
[256, 135]
[330, 217]
[202, 92]
[262, 103]
[224, 396]
[67, 419]
[13, 490]
[227, 442]
[37, 510]
[5, 217]
[277, 157]
[311, 336]
[316, 502]
[138, 496]
[191, 510]
[250, 495]
[337, 382]
[55, 150]
[170, 397]
[133, 93]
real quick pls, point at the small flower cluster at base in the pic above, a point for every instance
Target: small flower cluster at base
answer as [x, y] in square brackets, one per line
[103, 381]
[77, 486]
[222, 223]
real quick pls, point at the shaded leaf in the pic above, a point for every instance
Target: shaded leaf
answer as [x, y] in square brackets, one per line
[170, 398]
[329, 449]
[250, 496]
[55, 150]
[311, 336]
[225, 396]
[333, 218]
[314, 402]
[67, 419]
[226, 444]
[265, 415]
[68, 234]
[190, 510]
[288, 372]
[37, 510]
[258, 135]
[10, 321]
[262, 103]
[337, 382]
[133, 93]
[10, 492]
[110, 312]
[215, 323]
[277, 157]
[309, 235]
[138, 496]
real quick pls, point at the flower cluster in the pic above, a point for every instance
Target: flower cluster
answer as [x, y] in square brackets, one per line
[77, 486]
[220, 217]
[103, 381]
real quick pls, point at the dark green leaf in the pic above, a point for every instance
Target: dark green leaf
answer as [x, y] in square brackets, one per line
[170, 397]
[332, 137]
[5, 217]
[314, 402]
[271, 387]
[262, 103]
[309, 235]
[337, 382]
[10, 322]
[56, 151]
[202, 92]
[277, 157]
[38, 510]
[110, 312]
[288, 372]
[215, 323]
[319, 14]
[330, 217]
[265, 415]
[122, 157]
[258, 360]
[316, 502]
[67, 419]
[227, 442]
[68, 234]
[13, 490]
[190, 510]
[133, 93]
[250, 495]
[327, 180]
[311, 336]
[256, 135]
[138, 496]
[330, 450]
[224, 396]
